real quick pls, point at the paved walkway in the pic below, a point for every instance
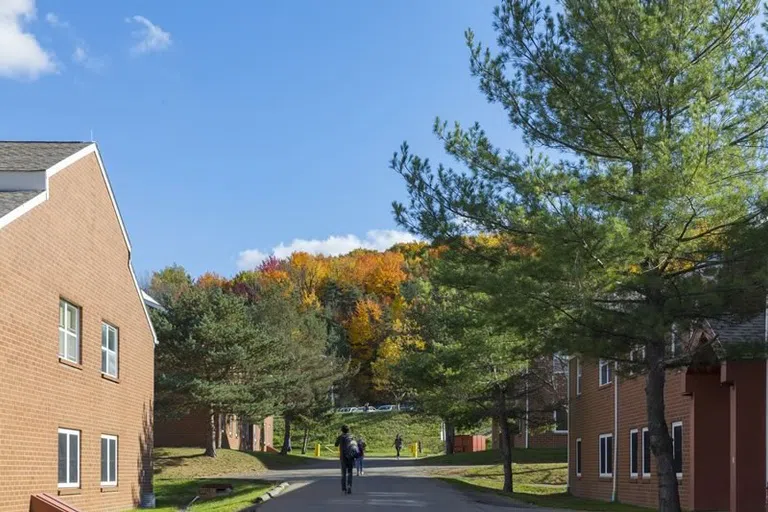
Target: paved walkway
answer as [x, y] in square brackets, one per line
[387, 485]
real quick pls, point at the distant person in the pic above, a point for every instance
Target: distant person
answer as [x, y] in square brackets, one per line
[348, 452]
[398, 445]
[359, 460]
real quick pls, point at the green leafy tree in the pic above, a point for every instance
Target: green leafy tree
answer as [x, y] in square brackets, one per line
[649, 221]
[213, 355]
[166, 283]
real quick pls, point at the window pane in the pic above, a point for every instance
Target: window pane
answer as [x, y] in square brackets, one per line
[112, 363]
[61, 314]
[602, 455]
[677, 433]
[104, 463]
[609, 455]
[578, 457]
[103, 335]
[62, 458]
[73, 455]
[71, 318]
[633, 452]
[71, 348]
[113, 340]
[62, 343]
[112, 460]
[646, 452]
[104, 360]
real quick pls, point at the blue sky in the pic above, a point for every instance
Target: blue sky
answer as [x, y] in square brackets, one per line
[233, 126]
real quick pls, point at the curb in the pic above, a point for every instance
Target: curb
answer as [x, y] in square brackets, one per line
[272, 493]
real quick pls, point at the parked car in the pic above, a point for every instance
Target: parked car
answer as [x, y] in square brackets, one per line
[345, 410]
[386, 408]
[357, 409]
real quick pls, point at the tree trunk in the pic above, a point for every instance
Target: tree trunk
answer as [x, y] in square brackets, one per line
[286, 437]
[661, 442]
[506, 449]
[210, 449]
[305, 441]
[450, 435]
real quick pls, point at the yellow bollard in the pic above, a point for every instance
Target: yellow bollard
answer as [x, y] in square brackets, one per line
[317, 449]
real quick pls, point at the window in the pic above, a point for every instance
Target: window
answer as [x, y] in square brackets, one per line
[69, 331]
[606, 455]
[109, 350]
[633, 443]
[69, 458]
[606, 375]
[578, 457]
[646, 454]
[561, 419]
[108, 460]
[677, 448]
[560, 364]
[578, 376]
[636, 358]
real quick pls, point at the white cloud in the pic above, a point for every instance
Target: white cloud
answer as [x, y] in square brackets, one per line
[377, 239]
[21, 55]
[151, 38]
[54, 21]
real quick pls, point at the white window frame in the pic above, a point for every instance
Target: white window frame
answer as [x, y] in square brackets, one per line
[579, 451]
[633, 453]
[578, 376]
[559, 364]
[682, 433]
[605, 364]
[68, 484]
[645, 470]
[69, 331]
[110, 438]
[105, 330]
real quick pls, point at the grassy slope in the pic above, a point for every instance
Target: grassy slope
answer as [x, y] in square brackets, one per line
[379, 430]
[521, 455]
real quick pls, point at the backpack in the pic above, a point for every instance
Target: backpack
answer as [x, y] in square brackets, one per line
[352, 451]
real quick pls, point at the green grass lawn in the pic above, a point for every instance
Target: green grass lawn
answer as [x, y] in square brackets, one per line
[186, 463]
[172, 494]
[487, 457]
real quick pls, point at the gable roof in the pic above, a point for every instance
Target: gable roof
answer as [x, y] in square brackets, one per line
[24, 156]
[51, 158]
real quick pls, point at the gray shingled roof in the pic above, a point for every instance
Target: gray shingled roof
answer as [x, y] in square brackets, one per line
[35, 156]
[9, 201]
[752, 330]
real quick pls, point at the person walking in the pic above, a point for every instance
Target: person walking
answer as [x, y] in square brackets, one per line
[348, 452]
[398, 445]
[361, 456]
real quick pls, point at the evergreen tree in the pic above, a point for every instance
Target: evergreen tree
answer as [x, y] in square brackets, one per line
[649, 219]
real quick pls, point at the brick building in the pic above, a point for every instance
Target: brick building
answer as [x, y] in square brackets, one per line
[717, 418]
[76, 370]
[232, 432]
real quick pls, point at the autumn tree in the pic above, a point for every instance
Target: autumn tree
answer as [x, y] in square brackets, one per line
[653, 118]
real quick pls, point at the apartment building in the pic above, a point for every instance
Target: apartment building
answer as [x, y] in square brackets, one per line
[717, 419]
[77, 358]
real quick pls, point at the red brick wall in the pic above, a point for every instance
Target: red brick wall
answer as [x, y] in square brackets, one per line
[192, 430]
[71, 246]
[592, 414]
[543, 440]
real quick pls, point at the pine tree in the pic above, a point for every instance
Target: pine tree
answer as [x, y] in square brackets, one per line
[639, 205]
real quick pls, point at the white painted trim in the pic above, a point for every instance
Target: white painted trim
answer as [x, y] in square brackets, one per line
[22, 209]
[106, 349]
[117, 458]
[579, 376]
[70, 432]
[600, 455]
[600, 365]
[646, 471]
[682, 433]
[579, 448]
[633, 453]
